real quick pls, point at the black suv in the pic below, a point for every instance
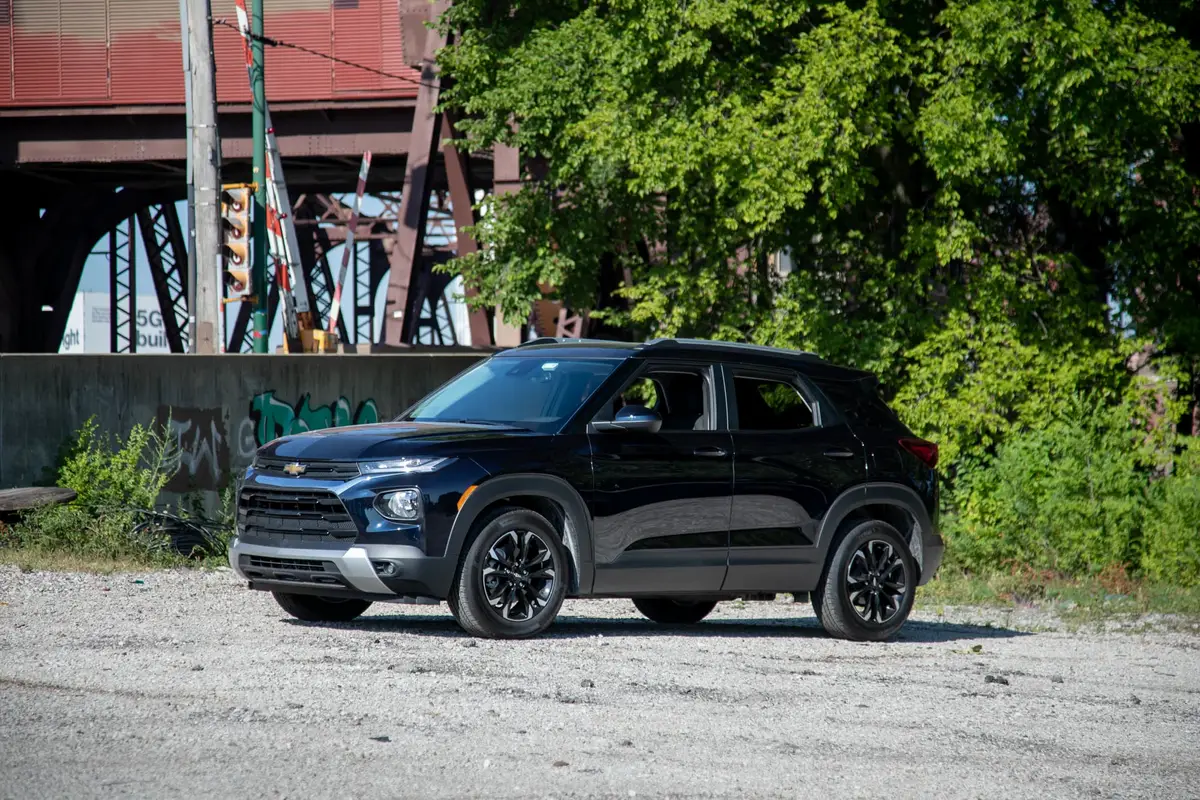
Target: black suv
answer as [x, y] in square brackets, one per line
[677, 473]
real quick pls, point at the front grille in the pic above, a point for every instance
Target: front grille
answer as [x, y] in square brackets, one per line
[278, 515]
[320, 470]
[291, 570]
[294, 564]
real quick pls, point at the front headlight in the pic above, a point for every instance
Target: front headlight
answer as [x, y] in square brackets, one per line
[407, 464]
[403, 505]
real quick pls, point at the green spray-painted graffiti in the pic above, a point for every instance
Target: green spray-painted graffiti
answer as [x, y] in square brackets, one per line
[273, 417]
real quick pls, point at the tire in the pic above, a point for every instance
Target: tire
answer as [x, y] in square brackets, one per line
[867, 590]
[674, 612]
[512, 580]
[321, 609]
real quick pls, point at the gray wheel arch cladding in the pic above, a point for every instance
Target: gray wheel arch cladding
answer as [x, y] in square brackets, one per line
[577, 536]
[883, 494]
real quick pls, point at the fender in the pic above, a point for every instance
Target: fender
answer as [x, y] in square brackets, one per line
[927, 543]
[578, 534]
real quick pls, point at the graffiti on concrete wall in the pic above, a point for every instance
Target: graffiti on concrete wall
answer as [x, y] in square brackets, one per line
[201, 447]
[272, 417]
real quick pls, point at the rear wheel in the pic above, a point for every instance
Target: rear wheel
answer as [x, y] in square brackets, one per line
[674, 612]
[867, 591]
[311, 608]
[513, 578]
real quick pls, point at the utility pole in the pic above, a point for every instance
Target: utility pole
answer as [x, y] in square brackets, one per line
[258, 132]
[204, 151]
[189, 129]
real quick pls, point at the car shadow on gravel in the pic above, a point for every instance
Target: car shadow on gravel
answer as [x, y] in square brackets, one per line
[569, 626]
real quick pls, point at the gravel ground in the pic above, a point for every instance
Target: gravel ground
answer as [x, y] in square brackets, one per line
[184, 684]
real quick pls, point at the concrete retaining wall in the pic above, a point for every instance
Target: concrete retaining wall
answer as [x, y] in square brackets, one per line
[221, 407]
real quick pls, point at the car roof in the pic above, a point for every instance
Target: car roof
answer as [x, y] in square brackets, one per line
[681, 348]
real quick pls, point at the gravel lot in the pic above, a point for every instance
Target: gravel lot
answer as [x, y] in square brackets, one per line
[184, 684]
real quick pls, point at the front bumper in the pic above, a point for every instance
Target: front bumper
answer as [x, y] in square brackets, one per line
[377, 572]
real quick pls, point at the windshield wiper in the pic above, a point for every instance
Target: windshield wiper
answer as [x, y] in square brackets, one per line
[492, 423]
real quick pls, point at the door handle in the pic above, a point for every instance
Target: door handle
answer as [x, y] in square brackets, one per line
[839, 454]
[711, 452]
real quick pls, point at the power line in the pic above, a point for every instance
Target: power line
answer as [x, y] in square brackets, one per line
[268, 41]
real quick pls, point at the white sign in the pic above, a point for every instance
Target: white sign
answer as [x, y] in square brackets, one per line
[88, 329]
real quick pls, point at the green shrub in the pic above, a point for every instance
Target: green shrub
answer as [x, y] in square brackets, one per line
[1068, 497]
[1172, 527]
[111, 478]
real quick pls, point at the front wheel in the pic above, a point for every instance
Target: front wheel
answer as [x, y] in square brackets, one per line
[674, 612]
[321, 609]
[513, 578]
[867, 590]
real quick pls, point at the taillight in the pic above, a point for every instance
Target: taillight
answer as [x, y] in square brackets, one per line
[926, 451]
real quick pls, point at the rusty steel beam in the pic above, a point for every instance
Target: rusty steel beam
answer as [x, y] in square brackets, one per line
[323, 280]
[462, 204]
[399, 311]
[122, 277]
[167, 252]
[66, 151]
[364, 294]
[159, 137]
[55, 237]
[324, 106]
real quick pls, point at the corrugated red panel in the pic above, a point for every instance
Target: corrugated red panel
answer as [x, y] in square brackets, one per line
[293, 74]
[6, 86]
[356, 26]
[128, 52]
[84, 48]
[145, 52]
[37, 44]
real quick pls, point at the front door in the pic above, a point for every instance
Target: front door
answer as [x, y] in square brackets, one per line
[661, 501]
[790, 465]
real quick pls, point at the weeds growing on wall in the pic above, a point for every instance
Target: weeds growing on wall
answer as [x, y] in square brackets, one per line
[113, 480]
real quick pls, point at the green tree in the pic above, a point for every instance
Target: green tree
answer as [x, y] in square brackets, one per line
[994, 204]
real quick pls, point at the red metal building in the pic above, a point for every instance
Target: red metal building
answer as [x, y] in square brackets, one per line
[128, 52]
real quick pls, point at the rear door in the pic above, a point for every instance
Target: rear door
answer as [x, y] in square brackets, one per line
[662, 501]
[790, 462]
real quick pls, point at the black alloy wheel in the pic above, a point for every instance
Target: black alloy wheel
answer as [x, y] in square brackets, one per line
[513, 577]
[876, 581]
[518, 575]
[867, 590]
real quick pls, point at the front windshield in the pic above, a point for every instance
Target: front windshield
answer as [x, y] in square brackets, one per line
[538, 393]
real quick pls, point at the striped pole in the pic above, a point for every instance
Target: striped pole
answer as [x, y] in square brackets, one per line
[348, 250]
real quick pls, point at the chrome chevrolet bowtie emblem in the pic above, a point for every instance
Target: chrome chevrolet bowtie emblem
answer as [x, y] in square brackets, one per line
[295, 469]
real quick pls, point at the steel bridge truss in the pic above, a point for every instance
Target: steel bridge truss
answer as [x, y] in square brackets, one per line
[166, 256]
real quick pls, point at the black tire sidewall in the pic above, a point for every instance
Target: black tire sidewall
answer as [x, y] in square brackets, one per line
[311, 608]
[844, 620]
[668, 611]
[472, 609]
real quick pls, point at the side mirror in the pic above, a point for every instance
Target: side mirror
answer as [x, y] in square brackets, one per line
[631, 418]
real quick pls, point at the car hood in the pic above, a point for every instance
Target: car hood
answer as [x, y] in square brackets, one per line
[390, 439]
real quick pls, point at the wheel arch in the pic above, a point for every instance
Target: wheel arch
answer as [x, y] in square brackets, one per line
[550, 496]
[893, 503]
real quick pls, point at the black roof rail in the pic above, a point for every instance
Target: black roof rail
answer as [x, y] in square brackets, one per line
[758, 348]
[567, 340]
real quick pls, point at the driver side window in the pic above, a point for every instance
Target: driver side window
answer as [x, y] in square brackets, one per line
[641, 392]
[681, 396]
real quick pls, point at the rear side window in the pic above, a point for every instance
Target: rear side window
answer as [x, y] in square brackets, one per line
[765, 404]
[859, 402]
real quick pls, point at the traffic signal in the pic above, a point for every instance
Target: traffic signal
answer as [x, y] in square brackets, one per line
[235, 238]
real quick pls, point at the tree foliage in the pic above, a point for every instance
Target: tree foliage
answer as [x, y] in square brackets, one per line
[994, 204]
